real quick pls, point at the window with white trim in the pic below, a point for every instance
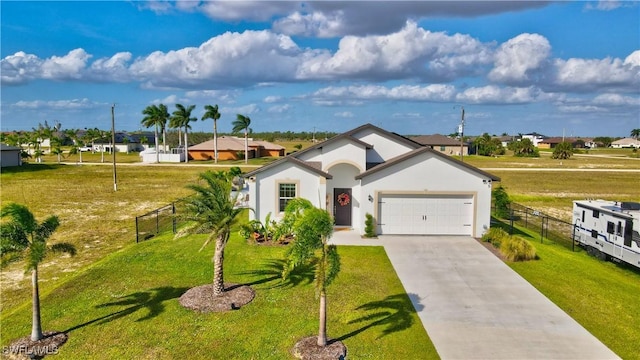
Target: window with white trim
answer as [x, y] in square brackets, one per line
[286, 192]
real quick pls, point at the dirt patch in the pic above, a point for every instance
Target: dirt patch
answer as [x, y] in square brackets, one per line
[495, 251]
[308, 349]
[201, 298]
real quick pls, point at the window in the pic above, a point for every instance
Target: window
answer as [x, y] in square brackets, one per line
[619, 229]
[582, 215]
[610, 227]
[286, 192]
[594, 234]
[628, 233]
[443, 148]
[596, 214]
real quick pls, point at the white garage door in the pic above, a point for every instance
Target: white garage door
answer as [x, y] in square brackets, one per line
[426, 215]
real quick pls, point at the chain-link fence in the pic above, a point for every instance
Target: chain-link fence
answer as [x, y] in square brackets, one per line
[549, 227]
[159, 220]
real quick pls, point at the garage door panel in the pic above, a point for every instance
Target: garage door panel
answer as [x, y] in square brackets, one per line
[424, 215]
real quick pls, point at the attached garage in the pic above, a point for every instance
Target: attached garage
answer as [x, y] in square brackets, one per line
[425, 214]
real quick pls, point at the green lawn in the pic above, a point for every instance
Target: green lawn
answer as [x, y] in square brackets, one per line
[126, 306]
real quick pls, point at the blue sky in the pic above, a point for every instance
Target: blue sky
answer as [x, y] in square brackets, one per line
[409, 67]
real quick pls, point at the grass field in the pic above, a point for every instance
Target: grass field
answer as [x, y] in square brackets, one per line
[129, 283]
[126, 306]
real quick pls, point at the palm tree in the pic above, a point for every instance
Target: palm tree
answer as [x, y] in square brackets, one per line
[22, 234]
[164, 118]
[312, 227]
[564, 150]
[153, 116]
[211, 112]
[241, 123]
[635, 133]
[212, 210]
[182, 117]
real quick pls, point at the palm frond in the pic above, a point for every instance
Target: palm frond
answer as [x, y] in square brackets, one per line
[20, 214]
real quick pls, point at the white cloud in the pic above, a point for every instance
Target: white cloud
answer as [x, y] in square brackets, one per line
[517, 58]
[344, 114]
[279, 109]
[20, 68]
[70, 66]
[316, 24]
[226, 60]
[114, 68]
[74, 104]
[272, 99]
[591, 74]
[492, 94]
[616, 100]
[604, 5]
[580, 109]
[435, 93]
[246, 110]
[411, 52]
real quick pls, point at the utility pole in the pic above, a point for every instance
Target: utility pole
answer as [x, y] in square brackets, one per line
[113, 148]
[461, 132]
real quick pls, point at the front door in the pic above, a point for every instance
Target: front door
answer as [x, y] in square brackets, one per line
[342, 206]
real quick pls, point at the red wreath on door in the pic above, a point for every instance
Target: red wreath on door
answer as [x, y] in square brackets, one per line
[343, 199]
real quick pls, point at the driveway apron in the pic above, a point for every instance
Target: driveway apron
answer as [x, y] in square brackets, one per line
[473, 306]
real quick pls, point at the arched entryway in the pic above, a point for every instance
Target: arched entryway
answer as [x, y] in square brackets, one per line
[343, 193]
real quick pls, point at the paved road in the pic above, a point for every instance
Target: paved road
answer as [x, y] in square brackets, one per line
[473, 306]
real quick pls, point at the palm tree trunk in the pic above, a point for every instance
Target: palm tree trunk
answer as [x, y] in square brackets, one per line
[36, 325]
[179, 136]
[322, 331]
[186, 144]
[156, 140]
[218, 273]
[246, 147]
[80, 157]
[215, 141]
[164, 139]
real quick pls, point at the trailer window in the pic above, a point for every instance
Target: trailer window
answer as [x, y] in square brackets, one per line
[610, 227]
[596, 214]
[583, 215]
[619, 228]
[594, 234]
[628, 233]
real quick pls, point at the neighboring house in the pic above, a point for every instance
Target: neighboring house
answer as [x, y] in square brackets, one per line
[505, 140]
[552, 142]
[407, 187]
[441, 143]
[10, 155]
[232, 148]
[626, 143]
[534, 137]
[125, 143]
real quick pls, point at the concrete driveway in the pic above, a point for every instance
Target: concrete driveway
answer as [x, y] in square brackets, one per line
[473, 306]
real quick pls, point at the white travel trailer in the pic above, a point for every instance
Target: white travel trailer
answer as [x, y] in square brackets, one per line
[608, 229]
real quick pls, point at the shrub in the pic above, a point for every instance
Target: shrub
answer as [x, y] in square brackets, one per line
[369, 226]
[495, 236]
[502, 202]
[515, 248]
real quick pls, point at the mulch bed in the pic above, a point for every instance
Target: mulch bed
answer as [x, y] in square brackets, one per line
[308, 349]
[201, 298]
[495, 251]
[25, 348]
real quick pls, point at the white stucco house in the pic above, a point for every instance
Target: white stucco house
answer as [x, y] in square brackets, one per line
[407, 187]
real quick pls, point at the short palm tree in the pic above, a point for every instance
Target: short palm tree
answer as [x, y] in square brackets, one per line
[241, 123]
[212, 210]
[564, 150]
[635, 133]
[211, 112]
[181, 118]
[312, 227]
[23, 235]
